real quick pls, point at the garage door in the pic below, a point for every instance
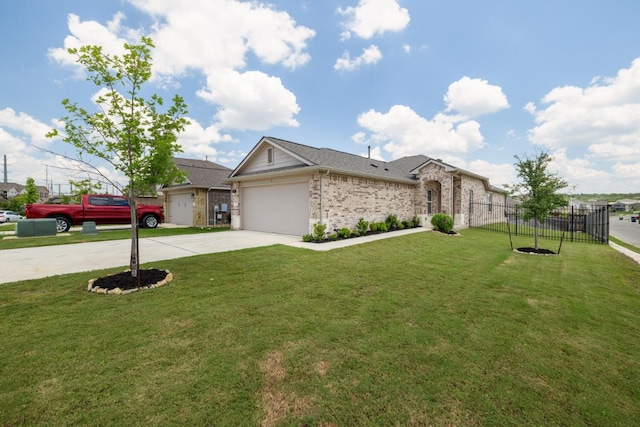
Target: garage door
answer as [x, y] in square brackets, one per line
[180, 209]
[282, 208]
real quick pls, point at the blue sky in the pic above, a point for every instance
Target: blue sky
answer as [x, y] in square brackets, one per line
[472, 83]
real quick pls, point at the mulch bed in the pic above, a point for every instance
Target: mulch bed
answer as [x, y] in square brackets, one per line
[536, 251]
[125, 281]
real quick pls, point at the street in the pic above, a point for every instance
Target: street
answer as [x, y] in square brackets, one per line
[625, 230]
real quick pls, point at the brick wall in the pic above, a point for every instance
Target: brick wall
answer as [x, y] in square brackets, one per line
[343, 200]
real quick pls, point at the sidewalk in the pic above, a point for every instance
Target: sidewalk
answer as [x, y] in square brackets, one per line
[631, 254]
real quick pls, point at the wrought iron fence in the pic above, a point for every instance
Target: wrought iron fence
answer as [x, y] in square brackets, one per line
[588, 224]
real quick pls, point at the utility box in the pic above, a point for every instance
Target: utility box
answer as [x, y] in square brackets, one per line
[36, 227]
[89, 227]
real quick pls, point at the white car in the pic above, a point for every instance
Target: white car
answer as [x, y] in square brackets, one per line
[9, 216]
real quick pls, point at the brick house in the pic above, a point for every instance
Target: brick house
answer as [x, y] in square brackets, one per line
[203, 199]
[286, 187]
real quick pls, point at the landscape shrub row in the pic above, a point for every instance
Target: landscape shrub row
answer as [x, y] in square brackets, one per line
[362, 228]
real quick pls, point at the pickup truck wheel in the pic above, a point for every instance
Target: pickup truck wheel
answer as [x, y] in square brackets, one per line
[62, 224]
[149, 221]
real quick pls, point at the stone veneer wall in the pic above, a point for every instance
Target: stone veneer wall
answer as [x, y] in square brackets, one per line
[442, 202]
[346, 199]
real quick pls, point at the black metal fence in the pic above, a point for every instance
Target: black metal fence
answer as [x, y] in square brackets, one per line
[588, 224]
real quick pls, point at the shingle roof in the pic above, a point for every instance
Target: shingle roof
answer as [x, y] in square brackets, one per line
[203, 173]
[333, 159]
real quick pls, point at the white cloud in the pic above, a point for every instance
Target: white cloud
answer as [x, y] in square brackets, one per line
[600, 115]
[403, 132]
[498, 174]
[474, 97]
[26, 125]
[374, 17]
[213, 38]
[250, 100]
[370, 55]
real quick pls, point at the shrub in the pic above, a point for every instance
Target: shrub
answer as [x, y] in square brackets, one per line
[391, 222]
[382, 226]
[362, 226]
[442, 222]
[345, 233]
[415, 221]
[374, 227]
[355, 233]
[307, 238]
[406, 224]
[333, 237]
[318, 231]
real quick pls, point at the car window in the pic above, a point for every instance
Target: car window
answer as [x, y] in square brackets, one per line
[119, 201]
[99, 201]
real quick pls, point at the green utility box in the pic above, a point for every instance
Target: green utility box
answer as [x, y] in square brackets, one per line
[89, 227]
[36, 227]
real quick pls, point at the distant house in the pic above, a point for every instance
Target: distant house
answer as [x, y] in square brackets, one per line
[626, 205]
[203, 199]
[9, 190]
[286, 187]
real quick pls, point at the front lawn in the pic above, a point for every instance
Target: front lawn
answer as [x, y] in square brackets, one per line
[422, 329]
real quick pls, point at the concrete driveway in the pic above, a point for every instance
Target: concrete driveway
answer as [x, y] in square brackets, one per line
[44, 261]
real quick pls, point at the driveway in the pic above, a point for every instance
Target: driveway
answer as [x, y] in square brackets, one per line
[44, 261]
[35, 263]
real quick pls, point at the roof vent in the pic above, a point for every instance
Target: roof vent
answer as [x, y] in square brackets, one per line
[387, 169]
[374, 165]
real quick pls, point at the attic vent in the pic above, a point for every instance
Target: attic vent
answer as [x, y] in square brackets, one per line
[270, 156]
[374, 165]
[387, 169]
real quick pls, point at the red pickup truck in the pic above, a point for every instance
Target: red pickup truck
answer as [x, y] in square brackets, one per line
[100, 208]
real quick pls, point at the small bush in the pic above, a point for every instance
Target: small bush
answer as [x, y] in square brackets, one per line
[319, 230]
[345, 233]
[355, 233]
[442, 222]
[362, 226]
[391, 222]
[373, 227]
[333, 237]
[407, 224]
[307, 238]
[383, 227]
[415, 221]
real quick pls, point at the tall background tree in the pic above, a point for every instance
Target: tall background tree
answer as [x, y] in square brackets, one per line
[126, 130]
[538, 188]
[30, 195]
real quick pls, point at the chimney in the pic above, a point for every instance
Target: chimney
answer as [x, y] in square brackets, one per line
[368, 148]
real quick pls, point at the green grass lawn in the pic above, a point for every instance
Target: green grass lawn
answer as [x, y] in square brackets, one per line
[423, 329]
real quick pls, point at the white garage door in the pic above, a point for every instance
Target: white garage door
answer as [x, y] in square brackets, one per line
[180, 209]
[282, 208]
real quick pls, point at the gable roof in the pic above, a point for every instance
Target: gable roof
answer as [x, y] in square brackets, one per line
[337, 161]
[202, 173]
[399, 170]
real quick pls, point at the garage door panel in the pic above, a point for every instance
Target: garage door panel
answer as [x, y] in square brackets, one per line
[280, 208]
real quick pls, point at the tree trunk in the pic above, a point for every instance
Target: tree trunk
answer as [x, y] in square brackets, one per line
[134, 263]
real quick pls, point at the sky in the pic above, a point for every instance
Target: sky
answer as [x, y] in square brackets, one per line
[473, 83]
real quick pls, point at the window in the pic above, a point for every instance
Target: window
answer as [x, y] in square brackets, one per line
[489, 201]
[429, 201]
[99, 200]
[119, 201]
[470, 201]
[270, 155]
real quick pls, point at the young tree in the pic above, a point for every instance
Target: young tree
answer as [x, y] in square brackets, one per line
[127, 131]
[538, 188]
[30, 195]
